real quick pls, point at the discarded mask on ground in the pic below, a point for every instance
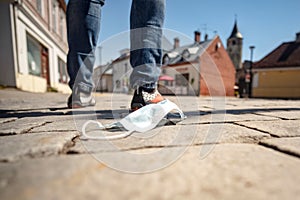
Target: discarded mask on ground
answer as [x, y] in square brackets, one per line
[141, 120]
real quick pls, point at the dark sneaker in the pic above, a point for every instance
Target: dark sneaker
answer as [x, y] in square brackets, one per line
[81, 100]
[141, 97]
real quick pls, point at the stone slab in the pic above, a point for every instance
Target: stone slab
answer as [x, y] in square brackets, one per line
[223, 118]
[262, 103]
[287, 145]
[20, 126]
[29, 124]
[230, 171]
[16, 147]
[70, 124]
[18, 100]
[180, 135]
[280, 128]
[57, 126]
[291, 114]
[9, 119]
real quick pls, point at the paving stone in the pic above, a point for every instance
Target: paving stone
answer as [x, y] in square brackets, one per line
[25, 124]
[19, 126]
[65, 125]
[280, 128]
[262, 103]
[184, 135]
[291, 114]
[247, 117]
[18, 100]
[228, 168]
[288, 145]
[232, 171]
[5, 120]
[194, 118]
[16, 147]
[57, 126]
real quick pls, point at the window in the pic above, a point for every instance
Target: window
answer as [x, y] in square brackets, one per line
[118, 84]
[34, 56]
[39, 6]
[126, 67]
[166, 59]
[54, 18]
[61, 24]
[185, 54]
[182, 79]
[62, 70]
[218, 45]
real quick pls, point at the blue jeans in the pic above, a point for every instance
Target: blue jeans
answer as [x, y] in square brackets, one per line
[146, 21]
[83, 24]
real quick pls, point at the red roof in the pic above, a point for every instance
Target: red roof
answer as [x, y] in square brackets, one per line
[286, 55]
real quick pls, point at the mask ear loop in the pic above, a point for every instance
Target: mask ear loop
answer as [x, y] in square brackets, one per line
[85, 136]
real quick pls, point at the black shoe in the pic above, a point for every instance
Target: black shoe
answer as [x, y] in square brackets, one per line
[81, 100]
[142, 97]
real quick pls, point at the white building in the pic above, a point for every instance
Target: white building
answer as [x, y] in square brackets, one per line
[33, 45]
[121, 72]
[103, 78]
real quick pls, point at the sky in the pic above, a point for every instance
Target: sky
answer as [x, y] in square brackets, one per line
[263, 23]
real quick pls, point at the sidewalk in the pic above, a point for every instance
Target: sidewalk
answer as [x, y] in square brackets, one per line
[252, 152]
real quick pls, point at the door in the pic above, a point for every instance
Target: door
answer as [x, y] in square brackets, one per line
[45, 65]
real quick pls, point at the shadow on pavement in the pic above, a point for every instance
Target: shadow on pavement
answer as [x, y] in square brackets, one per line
[111, 114]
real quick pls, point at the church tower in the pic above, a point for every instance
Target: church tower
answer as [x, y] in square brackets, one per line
[235, 46]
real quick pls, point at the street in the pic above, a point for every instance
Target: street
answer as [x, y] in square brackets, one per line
[227, 148]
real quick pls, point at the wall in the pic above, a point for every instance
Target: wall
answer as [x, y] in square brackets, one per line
[193, 83]
[217, 71]
[7, 61]
[121, 75]
[277, 83]
[102, 82]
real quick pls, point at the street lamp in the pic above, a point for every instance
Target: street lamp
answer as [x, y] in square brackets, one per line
[100, 64]
[251, 74]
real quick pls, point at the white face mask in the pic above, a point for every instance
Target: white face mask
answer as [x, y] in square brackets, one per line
[142, 120]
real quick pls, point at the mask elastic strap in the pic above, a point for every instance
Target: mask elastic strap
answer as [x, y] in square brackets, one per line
[110, 137]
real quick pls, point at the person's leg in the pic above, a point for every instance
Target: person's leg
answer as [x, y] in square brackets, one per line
[146, 22]
[83, 26]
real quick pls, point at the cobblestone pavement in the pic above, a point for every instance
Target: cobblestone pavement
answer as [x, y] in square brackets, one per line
[225, 149]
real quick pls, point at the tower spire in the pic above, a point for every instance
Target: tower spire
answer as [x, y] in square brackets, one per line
[235, 46]
[235, 31]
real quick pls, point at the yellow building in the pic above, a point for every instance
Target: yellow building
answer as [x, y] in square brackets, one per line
[277, 75]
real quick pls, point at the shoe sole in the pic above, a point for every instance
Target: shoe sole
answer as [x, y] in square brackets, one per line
[76, 106]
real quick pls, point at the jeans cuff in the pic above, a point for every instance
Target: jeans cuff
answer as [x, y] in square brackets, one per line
[149, 85]
[82, 87]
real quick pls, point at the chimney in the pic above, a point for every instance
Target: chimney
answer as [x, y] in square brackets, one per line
[176, 43]
[197, 36]
[206, 37]
[298, 37]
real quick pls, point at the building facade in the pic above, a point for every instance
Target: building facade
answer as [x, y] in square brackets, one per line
[277, 74]
[201, 68]
[103, 78]
[34, 57]
[121, 70]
